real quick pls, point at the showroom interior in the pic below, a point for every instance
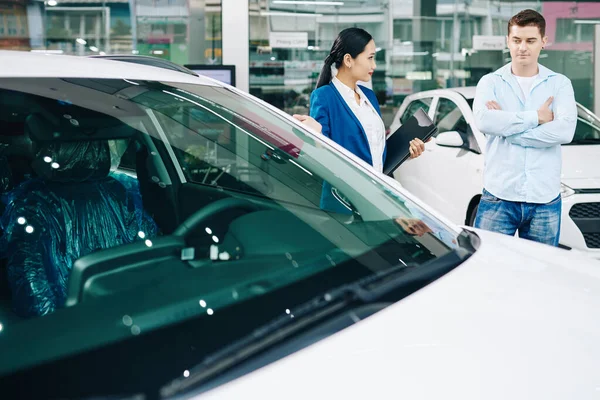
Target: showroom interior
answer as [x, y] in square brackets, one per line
[422, 44]
[390, 233]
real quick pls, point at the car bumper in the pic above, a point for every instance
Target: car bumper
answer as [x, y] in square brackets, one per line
[581, 223]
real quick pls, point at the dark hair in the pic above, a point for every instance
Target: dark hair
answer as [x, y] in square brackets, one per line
[350, 41]
[528, 18]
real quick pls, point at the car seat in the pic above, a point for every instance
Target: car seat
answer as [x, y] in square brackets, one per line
[73, 207]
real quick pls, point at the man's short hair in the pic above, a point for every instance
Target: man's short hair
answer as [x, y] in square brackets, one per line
[528, 18]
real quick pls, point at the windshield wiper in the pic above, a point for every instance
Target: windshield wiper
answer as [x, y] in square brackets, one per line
[363, 291]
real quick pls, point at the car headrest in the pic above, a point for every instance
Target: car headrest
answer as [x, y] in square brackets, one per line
[72, 162]
[20, 146]
[65, 161]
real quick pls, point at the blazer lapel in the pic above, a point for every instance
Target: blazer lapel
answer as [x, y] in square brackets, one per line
[349, 110]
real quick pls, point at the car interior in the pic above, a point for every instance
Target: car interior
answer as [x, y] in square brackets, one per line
[198, 225]
[49, 140]
[31, 131]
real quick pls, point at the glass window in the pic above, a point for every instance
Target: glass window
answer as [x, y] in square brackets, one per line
[588, 127]
[168, 29]
[448, 117]
[403, 29]
[84, 239]
[208, 150]
[419, 49]
[90, 21]
[414, 106]
[571, 30]
[11, 22]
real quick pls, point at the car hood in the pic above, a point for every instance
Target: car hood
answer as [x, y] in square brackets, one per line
[517, 320]
[581, 166]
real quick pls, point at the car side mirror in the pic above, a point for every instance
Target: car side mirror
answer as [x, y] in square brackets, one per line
[450, 139]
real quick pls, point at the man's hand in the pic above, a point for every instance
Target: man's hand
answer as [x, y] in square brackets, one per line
[544, 113]
[308, 121]
[417, 147]
[492, 105]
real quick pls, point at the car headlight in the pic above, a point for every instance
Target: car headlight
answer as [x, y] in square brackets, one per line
[566, 191]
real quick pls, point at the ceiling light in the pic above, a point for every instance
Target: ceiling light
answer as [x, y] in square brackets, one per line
[47, 51]
[52, 3]
[587, 21]
[94, 49]
[81, 41]
[288, 14]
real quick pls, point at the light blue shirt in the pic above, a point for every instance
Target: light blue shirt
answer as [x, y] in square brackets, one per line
[523, 159]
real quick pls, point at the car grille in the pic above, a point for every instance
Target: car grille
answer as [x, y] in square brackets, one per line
[592, 240]
[585, 210]
[587, 218]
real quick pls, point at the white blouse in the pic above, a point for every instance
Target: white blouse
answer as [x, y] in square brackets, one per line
[368, 118]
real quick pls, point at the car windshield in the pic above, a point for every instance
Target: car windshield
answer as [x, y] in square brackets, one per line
[588, 127]
[147, 224]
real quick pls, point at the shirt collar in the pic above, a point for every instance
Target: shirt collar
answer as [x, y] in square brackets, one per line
[506, 72]
[347, 93]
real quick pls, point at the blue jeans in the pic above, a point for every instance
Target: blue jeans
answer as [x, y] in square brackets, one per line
[538, 222]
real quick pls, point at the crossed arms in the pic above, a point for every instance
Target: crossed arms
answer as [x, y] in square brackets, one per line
[540, 129]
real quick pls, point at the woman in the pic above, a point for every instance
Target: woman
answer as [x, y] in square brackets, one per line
[346, 112]
[349, 113]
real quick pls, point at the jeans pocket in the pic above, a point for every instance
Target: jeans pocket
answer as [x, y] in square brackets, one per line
[555, 201]
[490, 198]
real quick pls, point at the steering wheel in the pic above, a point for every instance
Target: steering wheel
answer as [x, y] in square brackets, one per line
[195, 220]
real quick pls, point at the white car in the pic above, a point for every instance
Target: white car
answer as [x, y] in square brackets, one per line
[169, 230]
[449, 175]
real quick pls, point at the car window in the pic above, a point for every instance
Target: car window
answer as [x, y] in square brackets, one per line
[123, 155]
[587, 130]
[414, 106]
[178, 216]
[209, 149]
[448, 117]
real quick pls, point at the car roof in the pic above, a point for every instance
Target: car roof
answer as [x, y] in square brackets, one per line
[147, 60]
[467, 91]
[20, 64]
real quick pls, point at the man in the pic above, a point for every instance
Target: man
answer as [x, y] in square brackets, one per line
[526, 112]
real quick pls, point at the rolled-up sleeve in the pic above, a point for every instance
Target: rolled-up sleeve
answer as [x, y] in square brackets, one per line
[499, 122]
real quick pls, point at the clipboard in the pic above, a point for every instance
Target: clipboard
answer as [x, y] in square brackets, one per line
[419, 125]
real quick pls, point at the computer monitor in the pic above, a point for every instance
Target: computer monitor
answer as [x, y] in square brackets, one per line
[223, 73]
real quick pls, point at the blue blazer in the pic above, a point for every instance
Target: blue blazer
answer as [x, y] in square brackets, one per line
[339, 123]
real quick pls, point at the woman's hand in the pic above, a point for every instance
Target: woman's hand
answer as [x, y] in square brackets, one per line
[413, 226]
[417, 147]
[309, 121]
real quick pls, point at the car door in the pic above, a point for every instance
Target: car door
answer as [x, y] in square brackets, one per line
[409, 109]
[412, 173]
[445, 177]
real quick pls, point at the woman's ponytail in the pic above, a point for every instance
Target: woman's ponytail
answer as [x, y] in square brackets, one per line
[350, 41]
[325, 75]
